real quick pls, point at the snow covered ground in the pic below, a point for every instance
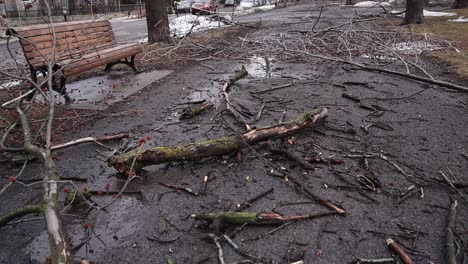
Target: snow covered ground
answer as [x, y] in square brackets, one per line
[460, 20]
[250, 9]
[182, 25]
[367, 4]
[428, 13]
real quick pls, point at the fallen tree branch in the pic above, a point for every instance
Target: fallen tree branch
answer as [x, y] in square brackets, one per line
[252, 218]
[368, 68]
[450, 255]
[292, 155]
[215, 147]
[88, 139]
[399, 251]
[309, 193]
[369, 261]
[247, 203]
[229, 106]
[275, 88]
[30, 209]
[218, 245]
[244, 252]
[193, 111]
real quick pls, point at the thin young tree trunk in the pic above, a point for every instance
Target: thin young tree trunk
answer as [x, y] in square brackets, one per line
[414, 12]
[157, 21]
[460, 4]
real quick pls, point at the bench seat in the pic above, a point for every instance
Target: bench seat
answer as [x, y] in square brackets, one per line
[75, 47]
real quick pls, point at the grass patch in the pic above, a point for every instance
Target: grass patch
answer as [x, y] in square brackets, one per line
[441, 28]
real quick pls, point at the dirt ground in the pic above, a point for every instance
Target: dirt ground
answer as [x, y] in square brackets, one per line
[419, 127]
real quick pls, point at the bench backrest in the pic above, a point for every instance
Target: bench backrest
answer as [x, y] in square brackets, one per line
[73, 39]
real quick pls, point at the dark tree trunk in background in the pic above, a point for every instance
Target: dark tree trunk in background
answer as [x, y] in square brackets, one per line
[157, 21]
[460, 4]
[414, 12]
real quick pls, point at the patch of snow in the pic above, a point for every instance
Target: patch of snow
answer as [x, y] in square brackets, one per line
[9, 84]
[428, 13]
[372, 4]
[245, 4]
[184, 24]
[251, 10]
[142, 41]
[460, 20]
[415, 47]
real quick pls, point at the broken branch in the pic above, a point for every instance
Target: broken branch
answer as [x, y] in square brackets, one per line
[214, 147]
[251, 218]
[399, 251]
[88, 139]
[30, 209]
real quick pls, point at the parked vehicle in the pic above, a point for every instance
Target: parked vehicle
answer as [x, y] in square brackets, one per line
[229, 3]
[184, 6]
[204, 6]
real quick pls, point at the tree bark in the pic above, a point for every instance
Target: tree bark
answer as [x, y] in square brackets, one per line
[414, 12]
[252, 218]
[157, 21]
[134, 161]
[460, 4]
[59, 246]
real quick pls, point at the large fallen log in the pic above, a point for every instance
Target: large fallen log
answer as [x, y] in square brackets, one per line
[134, 161]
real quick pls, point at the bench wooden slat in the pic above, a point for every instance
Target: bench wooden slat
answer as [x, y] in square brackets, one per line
[42, 26]
[66, 55]
[93, 60]
[65, 41]
[71, 34]
[62, 50]
[26, 32]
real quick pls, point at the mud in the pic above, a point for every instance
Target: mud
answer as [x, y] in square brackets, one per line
[424, 133]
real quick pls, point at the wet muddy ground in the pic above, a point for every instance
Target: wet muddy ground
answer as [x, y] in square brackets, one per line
[421, 128]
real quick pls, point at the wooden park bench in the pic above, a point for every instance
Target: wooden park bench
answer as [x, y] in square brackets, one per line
[79, 47]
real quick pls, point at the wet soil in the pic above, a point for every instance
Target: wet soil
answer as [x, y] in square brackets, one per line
[421, 128]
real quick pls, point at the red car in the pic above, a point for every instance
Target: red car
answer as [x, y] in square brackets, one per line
[204, 6]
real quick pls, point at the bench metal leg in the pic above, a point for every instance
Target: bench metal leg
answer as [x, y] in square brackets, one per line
[58, 81]
[130, 64]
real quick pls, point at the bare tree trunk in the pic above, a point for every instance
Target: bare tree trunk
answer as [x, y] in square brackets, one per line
[414, 12]
[157, 21]
[460, 4]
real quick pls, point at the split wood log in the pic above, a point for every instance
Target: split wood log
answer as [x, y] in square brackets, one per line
[252, 218]
[215, 147]
[399, 251]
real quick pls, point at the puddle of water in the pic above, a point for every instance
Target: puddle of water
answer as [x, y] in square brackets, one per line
[112, 228]
[261, 67]
[98, 93]
[268, 67]
[209, 93]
